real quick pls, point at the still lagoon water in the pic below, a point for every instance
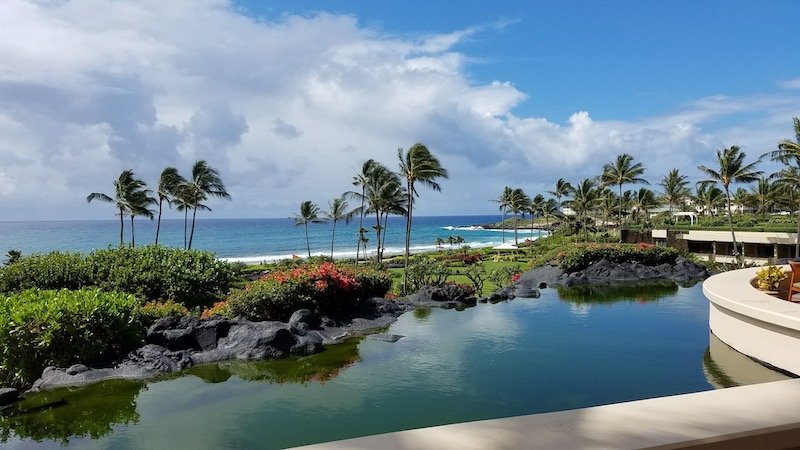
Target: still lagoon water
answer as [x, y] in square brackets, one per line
[571, 348]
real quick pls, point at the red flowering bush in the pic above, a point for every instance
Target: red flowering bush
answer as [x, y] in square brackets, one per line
[324, 288]
[220, 309]
[515, 277]
[470, 258]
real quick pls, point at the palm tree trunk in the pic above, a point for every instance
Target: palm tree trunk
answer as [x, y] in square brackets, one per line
[378, 235]
[121, 228]
[191, 235]
[503, 223]
[619, 223]
[410, 188]
[158, 222]
[730, 224]
[383, 238]
[515, 229]
[360, 225]
[133, 233]
[185, 222]
[333, 236]
[308, 245]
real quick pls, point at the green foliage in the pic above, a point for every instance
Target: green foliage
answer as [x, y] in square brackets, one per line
[423, 271]
[13, 256]
[580, 257]
[152, 311]
[271, 300]
[194, 278]
[54, 270]
[373, 283]
[476, 274]
[769, 277]
[502, 276]
[39, 328]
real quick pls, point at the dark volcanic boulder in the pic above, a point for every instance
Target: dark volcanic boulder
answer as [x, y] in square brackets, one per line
[8, 396]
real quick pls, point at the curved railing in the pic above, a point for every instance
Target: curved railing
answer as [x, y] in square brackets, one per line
[762, 326]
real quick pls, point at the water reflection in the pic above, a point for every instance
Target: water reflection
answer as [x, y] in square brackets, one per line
[725, 367]
[320, 367]
[65, 413]
[620, 292]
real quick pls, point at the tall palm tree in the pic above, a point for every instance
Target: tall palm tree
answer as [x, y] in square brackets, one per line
[741, 199]
[644, 201]
[309, 213]
[788, 153]
[126, 188]
[584, 198]
[205, 183]
[732, 169]
[536, 208]
[520, 202]
[337, 210]
[765, 194]
[787, 181]
[622, 171]
[139, 206]
[504, 202]
[362, 180]
[562, 189]
[417, 165]
[167, 190]
[381, 196]
[675, 188]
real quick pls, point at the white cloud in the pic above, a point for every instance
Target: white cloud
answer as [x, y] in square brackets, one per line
[792, 84]
[289, 109]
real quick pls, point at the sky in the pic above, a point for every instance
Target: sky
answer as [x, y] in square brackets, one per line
[288, 98]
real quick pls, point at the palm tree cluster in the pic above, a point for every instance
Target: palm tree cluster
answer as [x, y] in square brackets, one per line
[132, 198]
[593, 201]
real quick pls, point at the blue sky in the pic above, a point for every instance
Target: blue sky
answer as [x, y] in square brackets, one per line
[288, 98]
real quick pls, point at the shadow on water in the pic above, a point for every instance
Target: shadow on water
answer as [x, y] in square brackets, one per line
[724, 367]
[622, 292]
[64, 413]
[94, 410]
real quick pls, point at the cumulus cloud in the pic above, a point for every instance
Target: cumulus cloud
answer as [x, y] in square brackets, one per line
[288, 110]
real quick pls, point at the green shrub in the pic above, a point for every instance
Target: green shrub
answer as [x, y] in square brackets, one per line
[39, 328]
[152, 311]
[580, 257]
[372, 283]
[192, 277]
[271, 299]
[54, 270]
[424, 271]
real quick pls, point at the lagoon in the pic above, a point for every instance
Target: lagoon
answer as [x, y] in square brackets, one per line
[571, 348]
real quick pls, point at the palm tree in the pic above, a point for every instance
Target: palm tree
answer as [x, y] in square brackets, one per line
[622, 171]
[337, 210]
[520, 202]
[765, 195]
[584, 197]
[205, 182]
[417, 165]
[536, 208]
[184, 201]
[787, 181]
[608, 202]
[708, 197]
[788, 153]
[732, 169]
[382, 195]
[126, 189]
[675, 188]
[562, 188]
[644, 201]
[550, 209]
[167, 190]
[139, 206]
[309, 213]
[504, 200]
[362, 180]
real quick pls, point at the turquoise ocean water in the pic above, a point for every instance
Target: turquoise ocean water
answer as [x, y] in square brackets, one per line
[251, 240]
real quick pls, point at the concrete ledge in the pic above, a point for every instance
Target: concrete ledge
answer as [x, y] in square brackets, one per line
[762, 416]
[752, 322]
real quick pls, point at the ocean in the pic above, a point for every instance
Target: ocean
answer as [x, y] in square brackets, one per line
[253, 240]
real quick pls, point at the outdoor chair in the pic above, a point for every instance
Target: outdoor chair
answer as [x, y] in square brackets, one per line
[794, 281]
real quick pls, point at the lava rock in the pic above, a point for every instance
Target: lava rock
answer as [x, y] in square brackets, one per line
[8, 396]
[76, 369]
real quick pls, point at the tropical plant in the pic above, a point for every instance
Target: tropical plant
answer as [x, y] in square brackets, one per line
[12, 256]
[563, 188]
[644, 201]
[384, 195]
[788, 153]
[337, 210]
[731, 169]
[707, 198]
[504, 202]
[127, 189]
[205, 183]
[769, 277]
[536, 207]
[584, 198]
[675, 188]
[167, 190]
[765, 194]
[417, 165]
[309, 213]
[362, 180]
[140, 202]
[741, 199]
[520, 202]
[786, 182]
[622, 171]
[549, 210]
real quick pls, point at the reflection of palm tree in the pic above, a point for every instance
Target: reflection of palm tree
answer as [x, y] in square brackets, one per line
[732, 169]
[309, 213]
[126, 189]
[417, 165]
[622, 171]
[337, 210]
[205, 182]
[167, 191]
